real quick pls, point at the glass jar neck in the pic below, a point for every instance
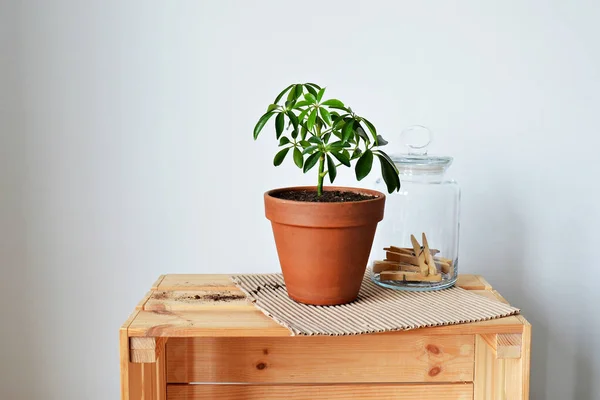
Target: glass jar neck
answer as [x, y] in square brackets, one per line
[421, 177]
[426, 173]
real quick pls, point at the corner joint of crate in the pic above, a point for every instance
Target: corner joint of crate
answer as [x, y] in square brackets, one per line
[145, 349]
[505, 345]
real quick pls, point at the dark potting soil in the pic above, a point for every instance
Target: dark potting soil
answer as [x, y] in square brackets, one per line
[334, 196]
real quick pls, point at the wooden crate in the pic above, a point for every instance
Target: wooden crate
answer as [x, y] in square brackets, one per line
[197, 337]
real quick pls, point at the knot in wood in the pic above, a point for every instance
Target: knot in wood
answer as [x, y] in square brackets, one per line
[433, 349]
[261, 366]
[435, 371]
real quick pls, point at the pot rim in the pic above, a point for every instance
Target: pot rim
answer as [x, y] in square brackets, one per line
[372, 192]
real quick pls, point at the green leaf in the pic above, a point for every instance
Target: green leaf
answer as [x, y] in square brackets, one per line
[388, 158]
[320, 94]
[303, 132]
[389, 173]
[292, 94]
[313, 85]
[341, 157]
[339, 145]
[282, 93]
[261, 123]
[371, 129]
[272, 107]
[310, 98]
[348, 130]
[325, 115]
[289, 104]
[303, 114]
[319, 123]
[341, 120]
[326, 137]
[301, 103]
[334, 103]
[311, 90]
[293, 119]
[280, 156]
[364, 165]
[311, 161]
[331, 169]
[298, 90]
[279, 123]
[310, 149]
[361, 132]
[311, 119]
[304, 143]
[295, 133]
[283, 141]
[347, 155]
[315, 140]
[298, 159]
[340, 108]
[356, 153]
[381, 141]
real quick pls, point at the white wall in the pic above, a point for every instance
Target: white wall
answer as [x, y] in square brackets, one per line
[126, 152]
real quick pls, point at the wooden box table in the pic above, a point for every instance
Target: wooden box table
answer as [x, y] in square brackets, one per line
[196, 337]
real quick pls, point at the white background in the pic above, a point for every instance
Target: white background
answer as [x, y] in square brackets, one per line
[126, 152]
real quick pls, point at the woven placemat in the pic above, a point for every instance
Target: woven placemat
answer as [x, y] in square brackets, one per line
[376, 310]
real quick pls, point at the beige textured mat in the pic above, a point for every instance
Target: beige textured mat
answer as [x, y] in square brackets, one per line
[376, 310]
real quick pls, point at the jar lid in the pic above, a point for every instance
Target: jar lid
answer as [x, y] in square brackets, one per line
[417, 138]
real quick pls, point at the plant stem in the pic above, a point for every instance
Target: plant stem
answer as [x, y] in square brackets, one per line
[321, 176]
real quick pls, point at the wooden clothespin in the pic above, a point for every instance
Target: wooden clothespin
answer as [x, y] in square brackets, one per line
[401, 257]
[379, 266]
[428, 256]
[420, 254]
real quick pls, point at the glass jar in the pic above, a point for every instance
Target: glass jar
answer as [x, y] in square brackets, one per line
[423, 215]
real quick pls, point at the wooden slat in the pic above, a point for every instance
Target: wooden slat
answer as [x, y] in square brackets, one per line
[457, 391]
[472, 282]
[161, 372]
[484, 370]
[254, 323]
[196, 282]
[148, 381]
[526, 358]
[517, 370]
[320, 359]
[134, 388]
[197, 300]
[499, 297]
[158, 282]
[207, 323]
[488, 294]
[140, 305]
[124, 356]
[142, 381]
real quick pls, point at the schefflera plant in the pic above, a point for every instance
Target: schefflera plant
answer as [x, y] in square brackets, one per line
[326, 132]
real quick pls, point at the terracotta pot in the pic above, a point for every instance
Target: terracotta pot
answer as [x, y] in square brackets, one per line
[324, 248]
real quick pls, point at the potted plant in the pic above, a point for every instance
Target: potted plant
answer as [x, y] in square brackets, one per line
[324, 235]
